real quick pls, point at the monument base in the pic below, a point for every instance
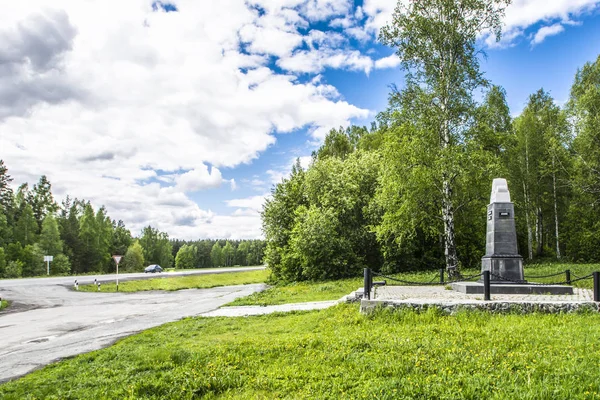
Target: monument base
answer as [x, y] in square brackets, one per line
[509, 267]
[511, 288]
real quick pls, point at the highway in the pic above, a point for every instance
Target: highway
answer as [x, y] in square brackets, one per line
[48, 320]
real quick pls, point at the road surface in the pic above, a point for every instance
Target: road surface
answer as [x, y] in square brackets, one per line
[48, 321]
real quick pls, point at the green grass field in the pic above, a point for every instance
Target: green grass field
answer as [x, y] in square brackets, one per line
[337, 354]
[3, 304]
[300, 292]
[183, 282]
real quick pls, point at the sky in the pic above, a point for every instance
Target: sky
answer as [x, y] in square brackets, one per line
[183, 114]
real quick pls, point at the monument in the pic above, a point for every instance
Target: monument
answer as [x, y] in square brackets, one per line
[502, 257]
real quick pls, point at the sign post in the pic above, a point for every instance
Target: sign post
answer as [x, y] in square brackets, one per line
[117, 260]
[47, 259]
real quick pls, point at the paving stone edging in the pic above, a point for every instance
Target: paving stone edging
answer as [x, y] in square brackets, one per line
[521, 307]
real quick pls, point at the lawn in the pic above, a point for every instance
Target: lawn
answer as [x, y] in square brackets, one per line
[337, 353]
[183, 282]
[298, 292]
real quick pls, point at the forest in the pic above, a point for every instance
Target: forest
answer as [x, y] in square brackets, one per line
[82, 239]
[411, 191]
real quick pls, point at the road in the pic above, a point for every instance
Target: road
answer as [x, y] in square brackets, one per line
[48, 321]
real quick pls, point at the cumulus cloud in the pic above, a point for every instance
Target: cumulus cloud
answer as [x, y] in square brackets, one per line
[126, 105]
[198, 179]
[546, 31]
[31, 56]
[388, 62]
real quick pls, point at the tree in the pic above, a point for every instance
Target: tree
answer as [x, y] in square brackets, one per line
[2, 263]
[6, 193]
[228, 254]
[241, 253]
[50, 237]
[14, 269]
[27, 228]
[69, 232]
[157, 247]
[216, 255]
[583, 239]
[42, 200]
[134, 258]
[5, 230]
[60, 265]
[186, 257]
[436, 41]
[121, 238]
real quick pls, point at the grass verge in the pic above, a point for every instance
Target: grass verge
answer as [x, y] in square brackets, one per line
[300, 292]
[337, 353]
[3, 304]
[183, 282]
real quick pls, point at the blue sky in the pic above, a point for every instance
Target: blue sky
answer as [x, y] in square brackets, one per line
[182, 114]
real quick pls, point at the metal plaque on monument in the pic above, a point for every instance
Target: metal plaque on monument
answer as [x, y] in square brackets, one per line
[502, 257]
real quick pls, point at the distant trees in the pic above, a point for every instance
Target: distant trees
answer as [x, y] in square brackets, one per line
[133, 260]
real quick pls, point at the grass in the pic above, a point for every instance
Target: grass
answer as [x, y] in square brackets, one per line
[337, 354]
[183, 282]
[300, 292]
[3, 304]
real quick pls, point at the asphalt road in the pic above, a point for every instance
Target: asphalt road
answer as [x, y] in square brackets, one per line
[48, 321]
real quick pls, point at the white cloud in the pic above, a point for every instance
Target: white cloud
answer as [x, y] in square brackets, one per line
[112, 101]
[199, 179]
[388, 62]
[546, 31]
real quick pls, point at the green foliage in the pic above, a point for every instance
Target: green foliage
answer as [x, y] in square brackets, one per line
[157, 247]
[133, 261]
[186, 257]
[337, 353]
[216, 255]
[27, 228]
[184, 282]
[14, 269]
[60, 265]
[2, 263]
[50, 237]
[3, 304]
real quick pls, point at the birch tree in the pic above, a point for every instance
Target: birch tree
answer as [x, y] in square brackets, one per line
[436, 41]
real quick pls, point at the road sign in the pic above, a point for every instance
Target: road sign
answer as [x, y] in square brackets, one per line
[47, 259]
[117, 259]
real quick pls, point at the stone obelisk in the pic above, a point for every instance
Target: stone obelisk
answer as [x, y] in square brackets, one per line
[502, 258]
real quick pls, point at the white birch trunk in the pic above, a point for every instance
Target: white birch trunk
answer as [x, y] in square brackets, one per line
[528, 223]
[555, 210]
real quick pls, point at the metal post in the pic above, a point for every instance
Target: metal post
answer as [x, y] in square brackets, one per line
[47, 267]
[486, 285]
[117, 277]
[442, 276]
[367, 284]
[596, 286]
[568, 276]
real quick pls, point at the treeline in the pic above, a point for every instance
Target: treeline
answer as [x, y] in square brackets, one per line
[217, 253]
[82, 239]
[378, 197]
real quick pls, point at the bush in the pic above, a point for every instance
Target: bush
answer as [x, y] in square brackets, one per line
[14, 269]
